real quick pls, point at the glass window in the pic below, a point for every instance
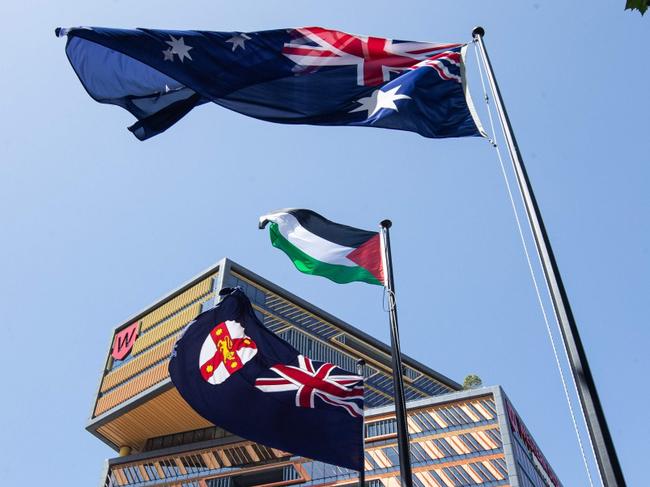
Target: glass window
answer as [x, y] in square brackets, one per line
[151, 471]
[393, 456]
[470, 443]
[418, 454]
[453, 474]
[475, 468]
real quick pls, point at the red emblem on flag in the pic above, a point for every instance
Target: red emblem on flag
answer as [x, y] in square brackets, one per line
[325, 382]
[225, 351]
[124, 340]
[374, 57]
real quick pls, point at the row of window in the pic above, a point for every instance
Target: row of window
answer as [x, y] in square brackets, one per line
[381, 428]
[285, 474]
[528, 474]
[431, 387]
[455, 416]
[320, 472]
[486, 471]
[372, 397]
[433, 451]
[434, 420]
[187, 437]
[189, 465]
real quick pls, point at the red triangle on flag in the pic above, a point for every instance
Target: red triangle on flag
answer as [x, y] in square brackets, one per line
[368, 256]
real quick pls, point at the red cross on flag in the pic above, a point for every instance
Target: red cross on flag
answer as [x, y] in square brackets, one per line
[225, 350]
[374, 57]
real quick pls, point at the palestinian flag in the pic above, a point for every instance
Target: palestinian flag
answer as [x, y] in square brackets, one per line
[323, 248]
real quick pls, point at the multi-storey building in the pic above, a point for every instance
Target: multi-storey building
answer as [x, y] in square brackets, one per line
[457, 437]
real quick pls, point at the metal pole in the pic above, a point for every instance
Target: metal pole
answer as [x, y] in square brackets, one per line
[362, 472]
[396, 355]
[608, 464]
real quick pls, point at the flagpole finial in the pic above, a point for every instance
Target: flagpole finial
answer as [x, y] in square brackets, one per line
[386, 223]
[478, 31]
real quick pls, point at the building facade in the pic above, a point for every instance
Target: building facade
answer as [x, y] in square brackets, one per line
[457, 437]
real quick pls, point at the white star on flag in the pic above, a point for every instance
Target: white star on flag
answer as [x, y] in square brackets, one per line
[380, 99]
[238, 41]
[168, 54]
[179, 48]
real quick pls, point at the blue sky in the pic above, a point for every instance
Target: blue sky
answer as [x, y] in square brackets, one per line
[96, 225]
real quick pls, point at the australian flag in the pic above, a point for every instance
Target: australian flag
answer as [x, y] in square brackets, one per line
[308, 75]
[239, 375]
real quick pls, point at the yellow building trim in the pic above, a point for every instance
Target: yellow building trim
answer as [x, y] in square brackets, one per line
[165, 329]
[138, 364]
[131, 388]
[180, 301]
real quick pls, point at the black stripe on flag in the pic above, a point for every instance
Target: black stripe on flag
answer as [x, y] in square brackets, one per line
[334, 232]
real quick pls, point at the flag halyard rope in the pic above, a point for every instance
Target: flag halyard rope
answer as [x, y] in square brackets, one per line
[492, 141]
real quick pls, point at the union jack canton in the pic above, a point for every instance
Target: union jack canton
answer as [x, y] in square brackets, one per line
[315, 384]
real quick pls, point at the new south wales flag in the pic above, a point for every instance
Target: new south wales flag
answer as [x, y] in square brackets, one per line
[321, 247]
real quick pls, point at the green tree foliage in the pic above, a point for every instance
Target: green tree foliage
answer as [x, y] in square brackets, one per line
[640, 5]
[472, 381]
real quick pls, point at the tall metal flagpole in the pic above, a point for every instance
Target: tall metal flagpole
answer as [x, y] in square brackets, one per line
[398, 384]
[608, 464]
[362, 472]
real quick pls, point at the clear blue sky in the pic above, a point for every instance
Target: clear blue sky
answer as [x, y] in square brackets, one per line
[96, 225]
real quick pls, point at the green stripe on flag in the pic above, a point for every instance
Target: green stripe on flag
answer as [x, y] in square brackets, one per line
[304, 263]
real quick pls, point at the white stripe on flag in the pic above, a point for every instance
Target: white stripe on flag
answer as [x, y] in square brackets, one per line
[316, 247]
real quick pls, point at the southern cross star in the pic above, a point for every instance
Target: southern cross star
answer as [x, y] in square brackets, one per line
[169, 55]
[378, 100]
[179, 48]
[238, 41]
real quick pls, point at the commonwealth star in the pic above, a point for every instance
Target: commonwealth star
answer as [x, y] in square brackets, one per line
[378, 100]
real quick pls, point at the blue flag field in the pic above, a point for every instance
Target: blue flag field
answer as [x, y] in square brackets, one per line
[308, 75]
[242, 377]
